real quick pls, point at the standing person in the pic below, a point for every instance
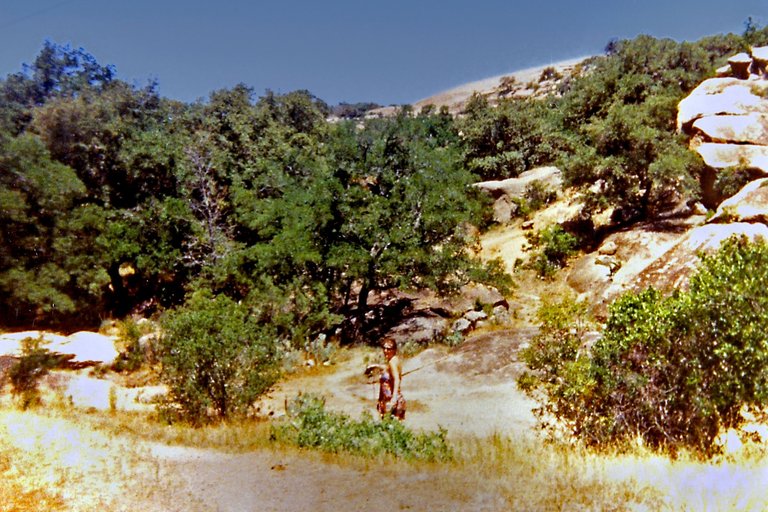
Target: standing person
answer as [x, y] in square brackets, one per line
[389, 383]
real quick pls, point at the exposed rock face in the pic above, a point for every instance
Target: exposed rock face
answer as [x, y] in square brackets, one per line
[720, 156]
[85, 347]
[423, 316]
[673, 269]
[727, 120]
[750, 128]
[505, 192]
[515, 187]
[423, 328]
[600, 277]
[727, 117]
[749, 205]
[720, 97]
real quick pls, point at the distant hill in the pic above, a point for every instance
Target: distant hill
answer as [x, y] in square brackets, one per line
[533, 81]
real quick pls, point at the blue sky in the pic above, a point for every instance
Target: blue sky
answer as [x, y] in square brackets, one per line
[390, 51]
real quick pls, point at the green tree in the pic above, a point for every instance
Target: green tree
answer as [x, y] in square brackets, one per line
[618, 120]
[38, 195]
[505, 140]
[405, 209]
[217, 358]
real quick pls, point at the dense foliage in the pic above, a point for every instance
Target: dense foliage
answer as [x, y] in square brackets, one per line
[673, 370]
[309, 425]
[218, 357]
[610, 127]
[117, 200]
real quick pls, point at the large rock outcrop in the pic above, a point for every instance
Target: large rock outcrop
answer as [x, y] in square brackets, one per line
[727, 121]
[727, 117]
[83, 347]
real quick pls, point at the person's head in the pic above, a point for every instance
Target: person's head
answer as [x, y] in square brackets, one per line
[390, 347]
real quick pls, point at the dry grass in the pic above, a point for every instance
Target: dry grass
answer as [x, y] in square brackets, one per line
[51, 460]
[22, 487]
[497, 472]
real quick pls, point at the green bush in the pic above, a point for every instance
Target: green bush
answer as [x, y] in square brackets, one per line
[34, 364]
[216, 359]
[309, 425]
[731, 180]
[555, 245]
[673, 371]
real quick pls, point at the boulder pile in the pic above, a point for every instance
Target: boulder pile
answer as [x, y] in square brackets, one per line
[726, 119]
[727, 116]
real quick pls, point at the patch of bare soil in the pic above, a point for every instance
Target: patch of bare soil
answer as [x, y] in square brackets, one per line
[467, 390]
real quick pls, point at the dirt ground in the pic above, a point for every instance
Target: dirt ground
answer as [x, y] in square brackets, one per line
[469, 390]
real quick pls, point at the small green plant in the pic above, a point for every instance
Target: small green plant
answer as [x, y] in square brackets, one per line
[538, 194]
[320, 349]
[453, 339]
[555, 245]
[25, 375]
[309, 425]
[731, 180]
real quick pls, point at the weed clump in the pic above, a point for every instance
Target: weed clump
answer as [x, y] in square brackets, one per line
[35, 362]
[309, 425]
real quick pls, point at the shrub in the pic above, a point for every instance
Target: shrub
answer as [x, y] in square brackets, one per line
[34, 364]
[217, 359]
[555, 245]
[310, 425]
[673, 371]
[731, 180]
[133, 356]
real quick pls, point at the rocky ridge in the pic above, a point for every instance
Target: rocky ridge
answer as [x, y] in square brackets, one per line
[726, 118]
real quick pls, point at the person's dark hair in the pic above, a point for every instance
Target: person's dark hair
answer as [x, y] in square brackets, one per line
[389, 343]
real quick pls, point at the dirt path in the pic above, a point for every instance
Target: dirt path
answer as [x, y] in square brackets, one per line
[469, 390]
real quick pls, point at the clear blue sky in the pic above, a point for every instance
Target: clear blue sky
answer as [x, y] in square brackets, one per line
[392, 51]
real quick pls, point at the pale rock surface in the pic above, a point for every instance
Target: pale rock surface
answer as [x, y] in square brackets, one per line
[504, 209]
[423, 329]
[88, 346]
[750, 128]
[720, 156]
[601, 278]
[723, 71]
[722, 96]
[515, 187]
[673, 269]
[609, 248]
[475, 316]
[462, 325]
[750, 204]
[10, 343]
[85, 346]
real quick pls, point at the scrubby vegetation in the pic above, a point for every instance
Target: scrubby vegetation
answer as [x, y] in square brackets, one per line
[24, 375]
[671, 370]
[255, 225]
[309, 425]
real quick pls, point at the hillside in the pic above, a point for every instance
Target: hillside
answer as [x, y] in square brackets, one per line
[524, 83]
[574, 332]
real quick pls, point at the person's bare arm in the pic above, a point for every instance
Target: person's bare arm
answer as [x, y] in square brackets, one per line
[395, 369]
